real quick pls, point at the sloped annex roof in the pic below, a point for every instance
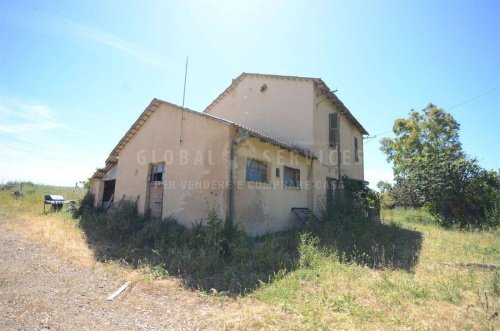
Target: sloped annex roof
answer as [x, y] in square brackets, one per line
[153, 106]
[318, 81]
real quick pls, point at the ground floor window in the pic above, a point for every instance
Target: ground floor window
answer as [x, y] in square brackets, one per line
[291, 177]
[256, 171]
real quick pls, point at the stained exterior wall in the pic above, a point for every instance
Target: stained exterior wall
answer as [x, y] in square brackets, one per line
[282, 111]
[202, 159]
[97, 189]
[267, 207]
[296, 112]
[197, 171]
[327, 165]
[259, 208]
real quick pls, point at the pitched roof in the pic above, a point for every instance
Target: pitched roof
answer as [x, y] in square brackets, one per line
[153, 106]
[318, 81]
[150, 109]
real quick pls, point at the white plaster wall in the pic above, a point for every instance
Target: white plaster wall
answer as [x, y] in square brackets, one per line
[327, 163]
[283, 111]
[202, 158]
[259, 207]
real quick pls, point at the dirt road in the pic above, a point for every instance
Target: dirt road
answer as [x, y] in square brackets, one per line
[39, 290]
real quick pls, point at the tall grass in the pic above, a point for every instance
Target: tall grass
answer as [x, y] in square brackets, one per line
[206, 257]
[58, 230]
[212, 257]
[406, 273]
[438, 292]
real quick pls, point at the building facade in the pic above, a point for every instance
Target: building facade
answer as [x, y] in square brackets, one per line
[267, 147]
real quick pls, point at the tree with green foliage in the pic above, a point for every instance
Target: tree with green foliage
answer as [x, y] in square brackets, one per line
[385, 195]
[432, 170]
[383, 186]
[85, 183]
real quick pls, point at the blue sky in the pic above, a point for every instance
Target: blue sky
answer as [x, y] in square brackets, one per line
[74, 75]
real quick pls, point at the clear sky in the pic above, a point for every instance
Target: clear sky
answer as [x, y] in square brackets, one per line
[74, 75]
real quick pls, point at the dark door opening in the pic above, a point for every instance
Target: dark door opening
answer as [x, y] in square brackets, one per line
[109, 192]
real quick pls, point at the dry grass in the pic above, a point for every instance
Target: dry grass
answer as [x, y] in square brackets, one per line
[56, 230]
[61, 234]
[330, 295]
[434, 296]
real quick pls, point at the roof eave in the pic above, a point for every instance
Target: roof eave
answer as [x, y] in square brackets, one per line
[343, 109]
[275, 142]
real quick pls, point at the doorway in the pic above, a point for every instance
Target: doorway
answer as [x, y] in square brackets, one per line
[109, 193]
[156, 200]
[155, 189]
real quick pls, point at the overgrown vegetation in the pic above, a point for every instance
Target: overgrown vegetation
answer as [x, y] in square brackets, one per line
[207, 256]
[437, 293]
[405, 273]
[210, 256]
[432, 171]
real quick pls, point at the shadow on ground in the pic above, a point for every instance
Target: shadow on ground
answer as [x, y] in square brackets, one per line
[211, 258]
[376, 245]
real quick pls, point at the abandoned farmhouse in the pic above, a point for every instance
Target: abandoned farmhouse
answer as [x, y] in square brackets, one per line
[266, 152]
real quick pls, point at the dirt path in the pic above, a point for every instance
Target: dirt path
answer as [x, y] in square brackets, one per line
[39, 290]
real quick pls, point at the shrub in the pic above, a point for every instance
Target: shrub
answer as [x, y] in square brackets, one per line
[206, 256]
[159, 234]
[209, 255]
[465, 194]
[387, 200]
[309, 254]
[354, 199]
[119, 225]
[432, 170]
[85, 204]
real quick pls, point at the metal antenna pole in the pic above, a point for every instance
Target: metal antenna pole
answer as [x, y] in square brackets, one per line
[185, 80]
[183, 99]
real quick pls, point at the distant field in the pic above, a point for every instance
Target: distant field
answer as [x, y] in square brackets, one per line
[450, 283]
[31, 201]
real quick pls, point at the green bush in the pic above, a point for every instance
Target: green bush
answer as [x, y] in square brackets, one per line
[85, 204]
[120, 225]
[432, 170]
[352, 200]
[309, 253]
[209, 255]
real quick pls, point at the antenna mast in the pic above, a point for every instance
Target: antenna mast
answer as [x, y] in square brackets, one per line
[185, 80]
[183, 99]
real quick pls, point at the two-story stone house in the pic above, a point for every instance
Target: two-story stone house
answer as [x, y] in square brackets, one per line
[263, 154]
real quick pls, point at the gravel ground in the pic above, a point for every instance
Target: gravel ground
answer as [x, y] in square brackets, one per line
[39, 290]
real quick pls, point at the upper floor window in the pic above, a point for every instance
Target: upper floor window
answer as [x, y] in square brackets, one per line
[256, 171]
[291, 177]
[333, 130]
[356, 157]
[156, 172]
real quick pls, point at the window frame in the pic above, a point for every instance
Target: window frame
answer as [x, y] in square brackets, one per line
[356, 149]
[154, 170]
[286, 177]
[333, 130]
[262, 168]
